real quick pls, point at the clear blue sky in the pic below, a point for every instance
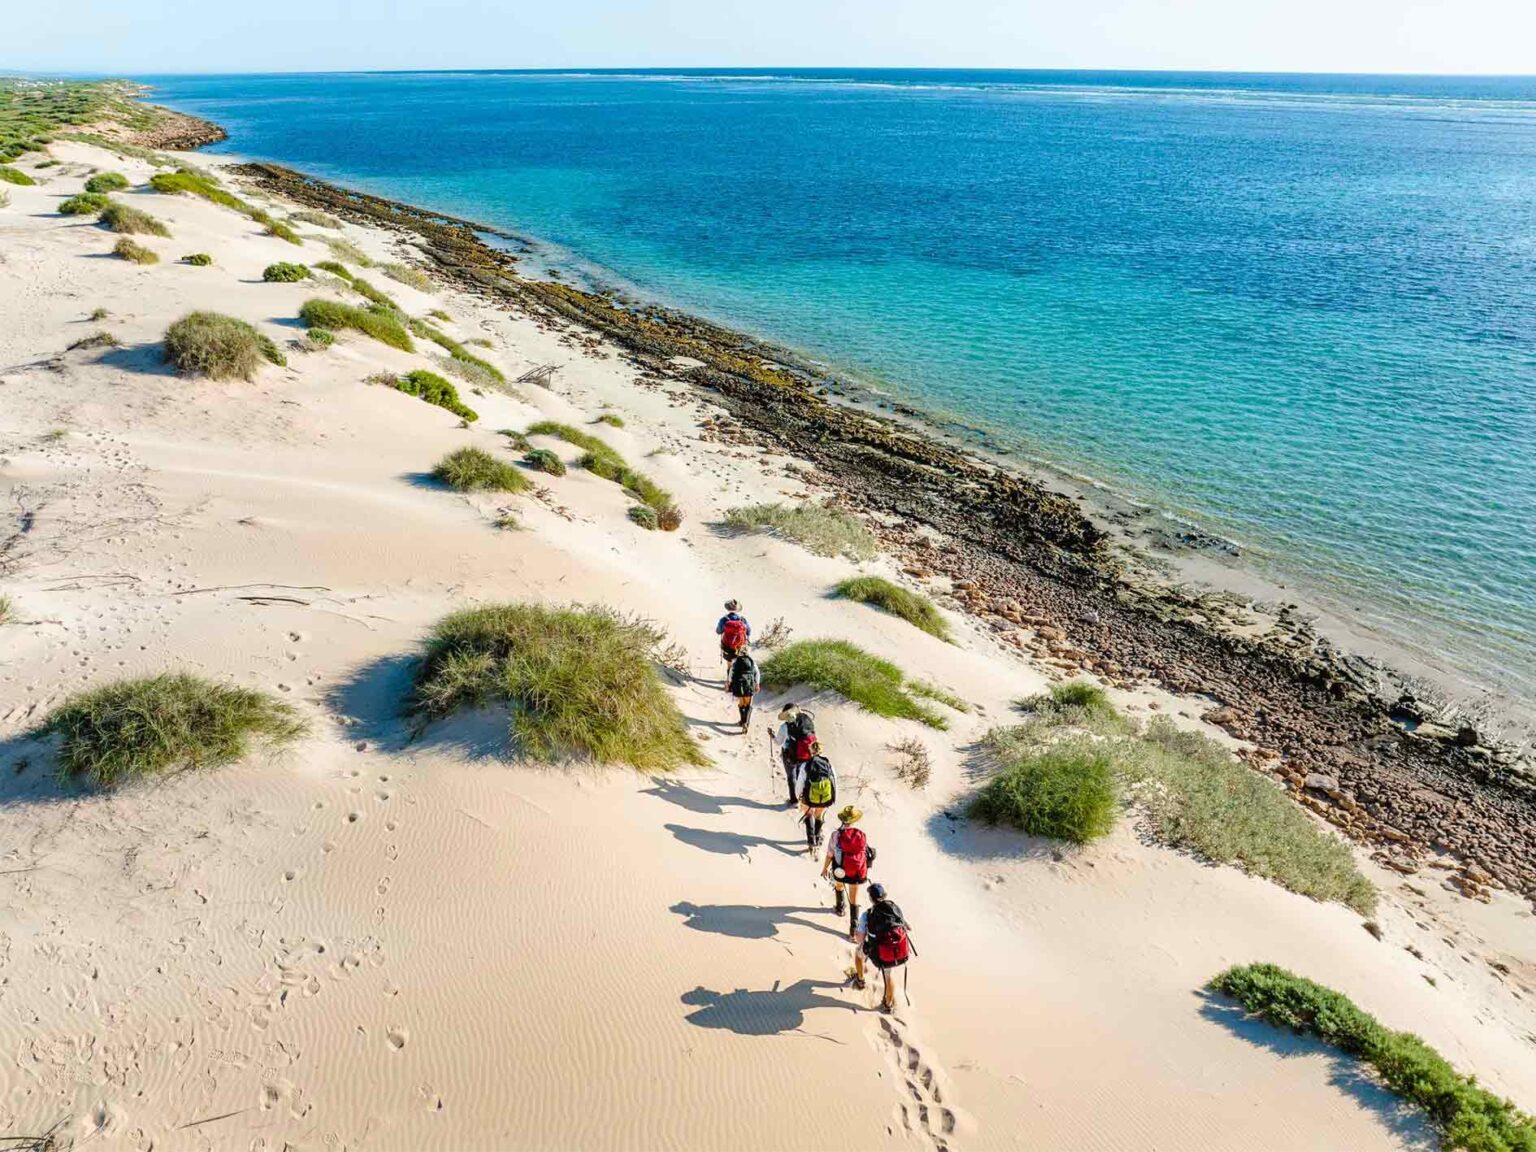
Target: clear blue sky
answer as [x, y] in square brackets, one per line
[127, 36]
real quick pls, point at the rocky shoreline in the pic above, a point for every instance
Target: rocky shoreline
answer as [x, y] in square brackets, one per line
[1421, 788]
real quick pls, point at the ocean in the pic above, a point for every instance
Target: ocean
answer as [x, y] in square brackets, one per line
[1298, 312]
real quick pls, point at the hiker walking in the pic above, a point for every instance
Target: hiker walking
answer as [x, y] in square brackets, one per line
[742, 682]
[733, 630]
[816, 789]
[793, 739]
[883, 939]
[849, 857]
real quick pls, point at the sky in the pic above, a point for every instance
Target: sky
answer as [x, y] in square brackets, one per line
[149, 36]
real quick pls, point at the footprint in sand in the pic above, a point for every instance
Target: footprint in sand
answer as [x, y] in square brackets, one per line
[932, 1118]
[396, 1038]
[383, 886]
[354, 817]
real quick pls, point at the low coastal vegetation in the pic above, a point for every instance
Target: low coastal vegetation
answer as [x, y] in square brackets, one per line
[127, 249]
[32, 112]
[320, 337]
[128, 219]
[579, 682]
[284, 273]
[874, 684]
[102, 339]
[318, 219]
[408, 275]
[476, 470]
[9, 175]
[1050, 775]
[915, 608]
[197, 259]
[347, 251]
[332, 315]
[602, 460]
[463, 359]
[158, 724]
[645, 516]
[930, 691]
[106, 182]
[610, 419]
[1465, 1115]
[278, 229]
[543, 460]
[187, 181]
[219, 347]
[84, 204]
[819, 528]
[432, 388]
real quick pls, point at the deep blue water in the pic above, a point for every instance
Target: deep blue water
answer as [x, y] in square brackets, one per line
[1299, 311]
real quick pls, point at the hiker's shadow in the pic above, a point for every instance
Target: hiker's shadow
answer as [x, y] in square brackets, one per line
[1405, 1121]
[766, 1013]
[730, 843]
[676, 792]
[747, 921]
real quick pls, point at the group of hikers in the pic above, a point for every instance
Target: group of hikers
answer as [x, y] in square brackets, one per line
[880, 934]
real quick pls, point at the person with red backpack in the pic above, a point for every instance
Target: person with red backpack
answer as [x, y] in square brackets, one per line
[849, 857]
[733, 630]
[816, 789]
[794, 737]
[884, 939]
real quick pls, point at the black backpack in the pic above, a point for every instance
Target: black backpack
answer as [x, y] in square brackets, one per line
[820, 788]
[745, 678]
[803, 725]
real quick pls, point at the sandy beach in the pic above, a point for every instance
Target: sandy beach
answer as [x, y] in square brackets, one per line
[392, 938]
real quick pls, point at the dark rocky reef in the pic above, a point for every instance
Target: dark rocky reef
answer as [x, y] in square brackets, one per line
[1030, 563]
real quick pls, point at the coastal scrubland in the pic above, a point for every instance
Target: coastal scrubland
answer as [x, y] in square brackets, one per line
[913, 607]
[579, 681]
[874, 684]
[819, 528]
[476, 470]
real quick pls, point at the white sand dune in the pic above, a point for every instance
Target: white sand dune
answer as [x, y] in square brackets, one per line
[380, 941]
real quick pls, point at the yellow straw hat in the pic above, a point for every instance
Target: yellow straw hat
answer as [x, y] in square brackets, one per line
[850, 815]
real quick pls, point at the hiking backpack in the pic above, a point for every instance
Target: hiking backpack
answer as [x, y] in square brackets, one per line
[887, 942]
[852, 847]
[745, 681]
[734, 635]
[802, 726]
[805, 748]
[819, 789]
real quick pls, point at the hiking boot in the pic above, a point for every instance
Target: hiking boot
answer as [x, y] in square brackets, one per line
[858, 984]
[839, 903]
[853, 920]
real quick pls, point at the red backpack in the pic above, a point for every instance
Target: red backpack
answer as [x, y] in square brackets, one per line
[734, 634]
[851, 846]
[805, 748]
[888, 944]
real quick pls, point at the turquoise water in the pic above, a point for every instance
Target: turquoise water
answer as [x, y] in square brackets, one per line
[1296, 311]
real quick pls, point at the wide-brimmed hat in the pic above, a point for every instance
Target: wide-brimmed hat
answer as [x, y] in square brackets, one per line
[850, 815]
[789, 711]
[732, 605]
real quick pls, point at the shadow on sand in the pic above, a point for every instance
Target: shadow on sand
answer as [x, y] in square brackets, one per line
[731, 843]
[1405, 1121]
[767, 1013]
[748, 921]
[686, 796]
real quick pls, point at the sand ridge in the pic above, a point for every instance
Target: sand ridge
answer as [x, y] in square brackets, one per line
[380, 941]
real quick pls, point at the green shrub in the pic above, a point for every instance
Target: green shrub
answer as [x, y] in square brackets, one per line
[129, 250]
[193, 183]
[335, 269]
[284, 273]
[126, 218]
[610, 419]
[9, 175]
[1465, 1115]
[84, 204]
[1066, 792]
[435, 390]
[601, 460]
[875, 685]
[459, 353]
[282, 232]
[580, 683]
[217, 346]
[158, 724]
[410, 276]
[1198, 796]
[106, 182]
[912, 607]
[197, 259]
[321, 336]
[515, 439]
[929, 691]
[1074, 704]
[380, 300]
[644, 515]
[543, 460]
[330, 314]
[318, 219]
[96, 340]
[821, 529]
[475, 470]
[439, 314]
[348, 251]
